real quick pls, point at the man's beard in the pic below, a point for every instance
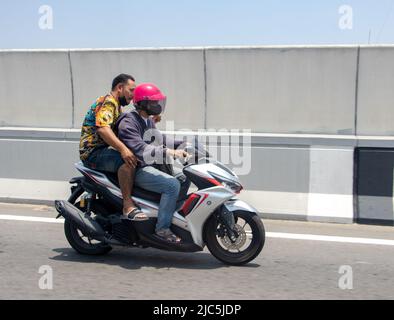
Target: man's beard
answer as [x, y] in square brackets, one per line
[123, 101]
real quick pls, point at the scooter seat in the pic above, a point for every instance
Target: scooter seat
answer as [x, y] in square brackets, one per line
[147, 195]
[137, 191]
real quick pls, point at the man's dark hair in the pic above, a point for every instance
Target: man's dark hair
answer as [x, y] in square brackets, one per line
[122, 78]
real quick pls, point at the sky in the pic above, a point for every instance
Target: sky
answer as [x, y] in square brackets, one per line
[192, 23]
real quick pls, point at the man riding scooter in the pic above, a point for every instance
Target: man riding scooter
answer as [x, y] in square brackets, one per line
[131, 128]
[99, 147]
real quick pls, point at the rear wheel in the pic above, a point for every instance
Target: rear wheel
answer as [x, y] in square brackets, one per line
[243, 249]
[81, 243]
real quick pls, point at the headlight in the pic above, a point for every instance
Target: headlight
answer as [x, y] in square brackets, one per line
[233, 187]
[230, 185]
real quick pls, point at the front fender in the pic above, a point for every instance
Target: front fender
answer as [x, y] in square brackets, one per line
[231, 205]
[239, 205]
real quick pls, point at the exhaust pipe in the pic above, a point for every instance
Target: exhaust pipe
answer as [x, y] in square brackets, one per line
[85, 223]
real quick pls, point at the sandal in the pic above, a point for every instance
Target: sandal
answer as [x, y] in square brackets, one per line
[135, 215]
[168, 235]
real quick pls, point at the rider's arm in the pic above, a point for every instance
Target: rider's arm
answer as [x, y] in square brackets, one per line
[131, 134]
[110, 138]
[104, 120]
[176, 153]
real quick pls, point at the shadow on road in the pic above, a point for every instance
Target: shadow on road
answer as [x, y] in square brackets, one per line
[137, 258]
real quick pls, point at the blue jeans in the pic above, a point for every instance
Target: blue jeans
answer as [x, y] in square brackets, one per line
[152, 179]
[104, 159]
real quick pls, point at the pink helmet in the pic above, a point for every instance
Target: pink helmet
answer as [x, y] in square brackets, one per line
[147, 92]
[149, 98]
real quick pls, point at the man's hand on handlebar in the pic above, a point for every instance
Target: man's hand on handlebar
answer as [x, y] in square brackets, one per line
[178, 154]
[156, 119]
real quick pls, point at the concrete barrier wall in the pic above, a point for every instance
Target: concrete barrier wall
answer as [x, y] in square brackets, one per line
[266, 89]
[309, 108]
[375, 115]
[35, 89]
[298, 182]
[282, 90]
[375, 185]
[179, 73]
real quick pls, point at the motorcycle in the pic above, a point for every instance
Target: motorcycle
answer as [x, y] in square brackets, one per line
[210, 216]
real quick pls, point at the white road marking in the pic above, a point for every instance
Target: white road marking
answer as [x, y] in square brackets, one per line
[314, 237]
[280, 235]
[31, 219]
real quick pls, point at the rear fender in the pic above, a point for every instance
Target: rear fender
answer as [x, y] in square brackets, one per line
[85, 223]
[76, 190]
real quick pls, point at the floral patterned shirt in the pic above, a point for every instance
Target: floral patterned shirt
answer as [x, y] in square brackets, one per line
[104, 112]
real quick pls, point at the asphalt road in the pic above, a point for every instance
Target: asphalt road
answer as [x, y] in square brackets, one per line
[286, 268]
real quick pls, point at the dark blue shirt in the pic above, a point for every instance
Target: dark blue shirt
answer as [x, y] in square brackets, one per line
[147, 143]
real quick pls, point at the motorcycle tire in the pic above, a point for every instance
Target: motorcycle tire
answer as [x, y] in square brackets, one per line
[231, 258]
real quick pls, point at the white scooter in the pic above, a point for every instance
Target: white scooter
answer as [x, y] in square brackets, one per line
[212, 216]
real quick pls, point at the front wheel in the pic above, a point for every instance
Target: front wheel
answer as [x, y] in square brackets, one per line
[246, 247]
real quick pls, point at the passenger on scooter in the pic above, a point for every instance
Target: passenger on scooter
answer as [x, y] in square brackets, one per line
[131, 127]
[99, 147]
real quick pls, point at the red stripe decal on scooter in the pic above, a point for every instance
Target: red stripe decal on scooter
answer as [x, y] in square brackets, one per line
[189, 204]
[203, 199]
